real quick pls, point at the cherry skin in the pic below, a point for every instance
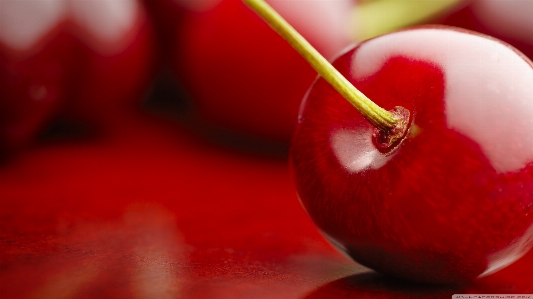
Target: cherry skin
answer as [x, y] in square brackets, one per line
[507, 20]
[85, 60]
[241, 75]
[454, 200]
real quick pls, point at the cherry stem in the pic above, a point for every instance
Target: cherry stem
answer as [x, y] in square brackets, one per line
[377, 116]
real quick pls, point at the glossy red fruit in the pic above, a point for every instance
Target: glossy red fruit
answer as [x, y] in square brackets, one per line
[507, 20]
[241, 75]
[82, 59]
[454, 200]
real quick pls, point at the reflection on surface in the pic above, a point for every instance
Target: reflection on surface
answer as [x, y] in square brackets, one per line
[143, 250]
[374, 285]
[67, 284]
[156, 257]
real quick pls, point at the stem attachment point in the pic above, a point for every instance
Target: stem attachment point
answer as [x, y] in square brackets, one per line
[380, 118]
[386, 140]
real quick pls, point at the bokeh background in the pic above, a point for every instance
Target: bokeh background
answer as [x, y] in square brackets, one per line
[143, 147]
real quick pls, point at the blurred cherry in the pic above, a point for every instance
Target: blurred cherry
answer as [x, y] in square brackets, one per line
[83, 60]
[507, 20]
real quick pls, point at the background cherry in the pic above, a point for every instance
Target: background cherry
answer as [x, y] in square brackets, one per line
[118, 66]
[31, 89]
[84, 60]
[241, 75]
[507, 20]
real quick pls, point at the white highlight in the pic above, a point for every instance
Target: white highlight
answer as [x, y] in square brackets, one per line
[356, 151]
[107, 19]
[502, 259]
[487, 84]
[23, 23]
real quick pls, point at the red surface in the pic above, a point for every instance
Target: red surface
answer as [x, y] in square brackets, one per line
[151, 211]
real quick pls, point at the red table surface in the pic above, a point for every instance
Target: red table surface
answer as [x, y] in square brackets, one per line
[153, 211]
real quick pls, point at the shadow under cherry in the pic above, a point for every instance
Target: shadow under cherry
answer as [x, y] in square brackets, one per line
[375, 285]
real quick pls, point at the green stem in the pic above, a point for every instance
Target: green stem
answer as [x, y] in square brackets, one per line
[377, 116]
[376, 17]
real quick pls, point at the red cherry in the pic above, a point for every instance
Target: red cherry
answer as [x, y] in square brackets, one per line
[116, 67]
[454, 200]
[32, 87]
[83, 59]
[451, 199]
[244, 77]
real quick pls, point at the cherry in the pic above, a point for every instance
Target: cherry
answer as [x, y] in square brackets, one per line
[241, 75]
[85, 60]
[31, 87]
[506, 20]
[452, 198]
[117, 65]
